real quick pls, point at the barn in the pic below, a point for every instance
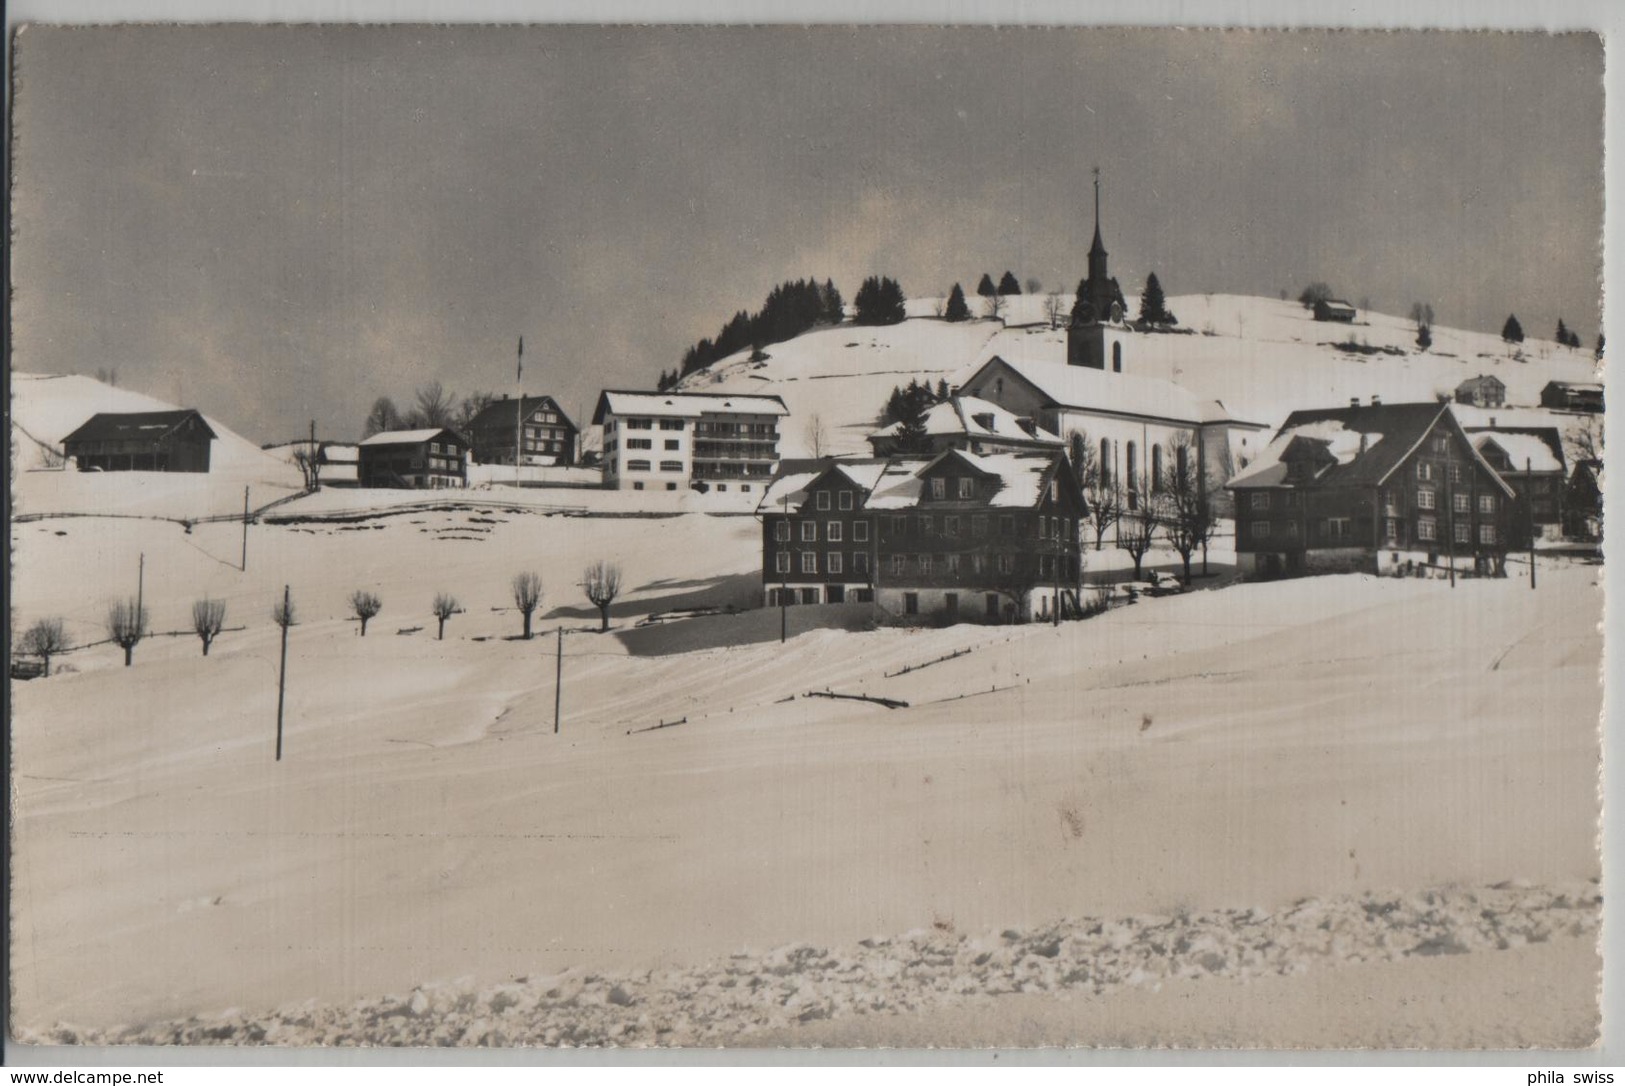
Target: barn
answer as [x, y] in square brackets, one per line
[141, 441]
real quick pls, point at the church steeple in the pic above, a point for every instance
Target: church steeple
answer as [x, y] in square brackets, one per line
[1097, 248]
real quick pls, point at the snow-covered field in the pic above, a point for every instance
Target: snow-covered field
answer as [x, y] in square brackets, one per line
[1134, 790]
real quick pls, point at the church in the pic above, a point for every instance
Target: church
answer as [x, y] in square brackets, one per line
[1099, 310]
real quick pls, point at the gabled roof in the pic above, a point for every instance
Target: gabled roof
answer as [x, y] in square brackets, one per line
[1481, 379]
[1576, 386]
[1525, 451]
[500, 412]
[896, 482]
[1368, 443]
[684, 405]
[135, 425]
[337, 453]
[978, 420]
[411, 437]
[1089, 389]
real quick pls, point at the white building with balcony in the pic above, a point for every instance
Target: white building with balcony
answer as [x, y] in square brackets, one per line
[689, 440]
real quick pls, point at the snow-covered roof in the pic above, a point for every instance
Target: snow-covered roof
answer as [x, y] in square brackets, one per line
[1521, 450]
[340, 454]
[897, 482]
[406, 437]
[976, 418]
[686, 405]
[1342, 443]
[1089, 389]
[797, 475]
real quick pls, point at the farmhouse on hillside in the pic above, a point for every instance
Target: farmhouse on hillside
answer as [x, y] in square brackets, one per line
[1482, 391]
[1384, 488]
[951, 537]
[1572, 396]
[683, 440]
[1136, 427]
[141, 441]
[1335, 310]
[430, 459]
[978, 426]
[549, 435]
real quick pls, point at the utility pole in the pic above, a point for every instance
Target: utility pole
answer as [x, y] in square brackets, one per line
[558, 679]
[784, 606]
[1450, 501]
[1529, 508]
[518, 410]
[282, 672]
[245, 530]
[140, 594]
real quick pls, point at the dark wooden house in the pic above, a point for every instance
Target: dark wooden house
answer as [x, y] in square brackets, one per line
[953, 537]
[1385, 488]
[1530, 459]
[415, 459]
[1572, 396]
[1482, 391]
[549, 436]
[141, 441]
[1335, 310]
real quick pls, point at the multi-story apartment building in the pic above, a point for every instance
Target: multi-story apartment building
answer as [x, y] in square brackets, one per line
[1383, 488]
[682, 440]
[954, 537]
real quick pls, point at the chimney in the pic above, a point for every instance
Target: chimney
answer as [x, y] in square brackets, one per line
[1354, 401]
[1376, 401]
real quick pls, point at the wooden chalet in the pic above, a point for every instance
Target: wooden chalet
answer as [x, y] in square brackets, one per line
[429, 459]
[1572, 396]
[141, 441]
[1530, 460]
[549, 436]
[954, 537]
[1482, 391]
[1384, 488]
[1335, 310]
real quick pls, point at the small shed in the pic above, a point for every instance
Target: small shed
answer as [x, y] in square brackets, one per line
[1336, 310]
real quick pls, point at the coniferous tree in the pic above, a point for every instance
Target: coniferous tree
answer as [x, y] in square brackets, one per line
[1153, 304]
[834, 306]
[879, 301]
[942, 390]
[1512, 331]
[985, 288]
[1424, 337]
[1008, 284]
[1599, 346]
[956, 309]
[912, 436]
[1562, 335]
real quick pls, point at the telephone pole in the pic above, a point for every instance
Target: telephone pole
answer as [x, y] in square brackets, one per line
[558, 679]
[140, 595]
[1450, 501]
[1529, 508]
[282, 672]
[245, 530]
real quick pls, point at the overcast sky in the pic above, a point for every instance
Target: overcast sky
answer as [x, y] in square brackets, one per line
[275, 225]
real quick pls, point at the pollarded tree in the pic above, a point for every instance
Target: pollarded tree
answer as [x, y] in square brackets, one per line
[1154, 304]
[602, 583]
[365, 605]
[445, 605]
[1512, 331]
[45, 639]
[956, 309]
[527, 593]
[208, 618]
[1008, 284]
[126, 626]
[986, 288]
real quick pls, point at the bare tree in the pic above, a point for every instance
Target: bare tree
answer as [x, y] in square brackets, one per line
[1189, 520]
[284, 613]
[1034, 285]
[208, 617]
[1138, 528]
[45, 639]
[602, 583]
[382, 417]
[434, 407]
[1106, 508]
[527, 593]
[365, 605]
[994, 306]
[817, 436]
[472, 405]
[1053, 309]
[126, 626]
[444, 607]
[308, 459]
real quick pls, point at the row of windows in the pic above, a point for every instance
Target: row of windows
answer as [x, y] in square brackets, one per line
[648, 443]
[1426, 498]
[1336, 529]
[643, 465]
[833, 530]
[1131, 464]
[902, 564]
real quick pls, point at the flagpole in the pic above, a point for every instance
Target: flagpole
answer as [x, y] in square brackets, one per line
[518, 410]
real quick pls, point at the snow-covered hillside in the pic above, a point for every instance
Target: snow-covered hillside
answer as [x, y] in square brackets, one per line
[47, 408]
[1261, 357]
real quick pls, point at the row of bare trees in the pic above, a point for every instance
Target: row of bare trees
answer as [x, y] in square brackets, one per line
[127, 620]
[1175, 506]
